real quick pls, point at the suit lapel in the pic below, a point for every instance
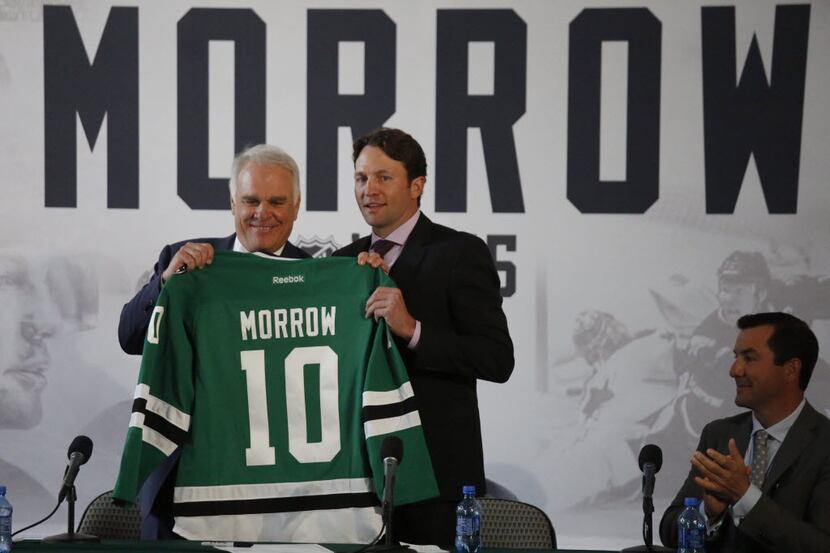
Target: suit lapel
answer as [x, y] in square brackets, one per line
[798, 438]
[226, 243]
[405, 270]
[362, 245]
[743, 435]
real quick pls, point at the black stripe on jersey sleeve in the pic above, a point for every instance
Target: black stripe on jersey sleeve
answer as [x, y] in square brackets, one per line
[275, 504]
[159, 423]
[375, 412]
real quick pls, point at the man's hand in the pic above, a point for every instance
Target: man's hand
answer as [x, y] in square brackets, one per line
[713, 506]
[388, 303]
[725, 477]
[373, 259]
[193, 255]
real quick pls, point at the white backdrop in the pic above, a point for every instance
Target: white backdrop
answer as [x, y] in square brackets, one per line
[606, 309]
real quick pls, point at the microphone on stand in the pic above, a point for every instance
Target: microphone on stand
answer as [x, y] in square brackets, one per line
[80, 450]
[650, 461]
[391, 453]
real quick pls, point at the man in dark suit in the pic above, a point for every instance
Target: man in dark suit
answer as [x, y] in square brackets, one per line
[446, 315]
[265, 199]
[764, 475]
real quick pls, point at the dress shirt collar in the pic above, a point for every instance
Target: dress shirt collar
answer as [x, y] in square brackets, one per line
[400, 235]
[779, 430]
[238, 247]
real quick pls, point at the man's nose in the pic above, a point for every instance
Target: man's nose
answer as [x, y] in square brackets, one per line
[262, 210]
[736, 369]
[372, 186]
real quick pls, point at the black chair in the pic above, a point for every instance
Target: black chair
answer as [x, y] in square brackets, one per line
[512, 524]
[105, 519]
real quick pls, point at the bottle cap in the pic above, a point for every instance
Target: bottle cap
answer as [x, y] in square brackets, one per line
[469, 490]
[2, 490]
[691, 502]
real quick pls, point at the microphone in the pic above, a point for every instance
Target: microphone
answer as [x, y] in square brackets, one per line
[79, 452]
[651, 459]
[391, 451]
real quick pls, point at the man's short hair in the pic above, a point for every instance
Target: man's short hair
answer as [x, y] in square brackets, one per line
[265, 154]
[791, 338]
[399, 146]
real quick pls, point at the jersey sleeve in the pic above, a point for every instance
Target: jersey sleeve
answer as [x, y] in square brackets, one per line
[390, 409]
[163, 398]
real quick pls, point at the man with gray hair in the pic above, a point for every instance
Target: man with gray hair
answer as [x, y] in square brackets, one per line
[265, 199]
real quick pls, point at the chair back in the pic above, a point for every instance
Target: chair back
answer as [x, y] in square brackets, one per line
[512, 524]
[105, 519]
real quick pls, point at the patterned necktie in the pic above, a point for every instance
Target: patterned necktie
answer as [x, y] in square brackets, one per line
[382, 247]
[760, 458]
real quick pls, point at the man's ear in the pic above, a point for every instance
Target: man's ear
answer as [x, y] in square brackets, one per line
[792, 369]
[416, 187]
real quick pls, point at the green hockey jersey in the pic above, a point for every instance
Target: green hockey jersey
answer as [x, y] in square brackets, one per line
[279, 391]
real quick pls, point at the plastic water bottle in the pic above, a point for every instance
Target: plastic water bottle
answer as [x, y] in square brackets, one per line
[691, 528]
[5, 522]
[468, 523]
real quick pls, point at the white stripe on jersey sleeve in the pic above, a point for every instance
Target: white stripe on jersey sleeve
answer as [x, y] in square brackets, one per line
[163, 409]
[385, 398]
[379, 427]
[185, 494]
[150, 436]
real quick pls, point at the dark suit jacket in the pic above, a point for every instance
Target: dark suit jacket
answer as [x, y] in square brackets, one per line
[450, 284]
[135, 315]
[793, 515]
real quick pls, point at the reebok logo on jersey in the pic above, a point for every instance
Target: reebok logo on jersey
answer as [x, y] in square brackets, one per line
[290, 279]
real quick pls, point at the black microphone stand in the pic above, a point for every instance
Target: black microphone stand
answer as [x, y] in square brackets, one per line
[648, 539]
[390, 544]
[70, 535]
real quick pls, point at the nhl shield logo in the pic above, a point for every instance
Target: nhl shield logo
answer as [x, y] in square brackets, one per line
[318, 247]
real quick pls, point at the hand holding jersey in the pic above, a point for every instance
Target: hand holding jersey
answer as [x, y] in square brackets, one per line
[193, 255]
[388, 303]
[374, 260]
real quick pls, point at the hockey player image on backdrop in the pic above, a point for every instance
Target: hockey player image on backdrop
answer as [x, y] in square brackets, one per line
[24, 367]
[279, 391]
[745, 285]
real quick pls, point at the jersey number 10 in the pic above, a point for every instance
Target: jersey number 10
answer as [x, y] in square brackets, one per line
[261, 451]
